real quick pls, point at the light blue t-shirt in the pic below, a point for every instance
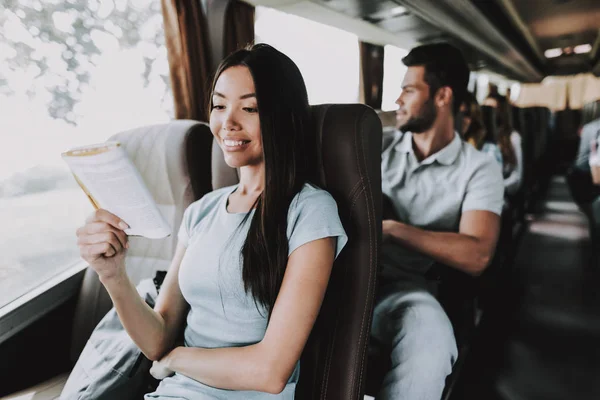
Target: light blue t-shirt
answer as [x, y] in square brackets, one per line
[221, 313]
[493, 150]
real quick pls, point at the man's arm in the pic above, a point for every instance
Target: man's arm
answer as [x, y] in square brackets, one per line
[470, 250]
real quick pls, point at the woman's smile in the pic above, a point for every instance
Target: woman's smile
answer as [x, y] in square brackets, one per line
[233, 145]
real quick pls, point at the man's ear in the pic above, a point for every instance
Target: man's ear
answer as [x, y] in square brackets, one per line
[444, 97]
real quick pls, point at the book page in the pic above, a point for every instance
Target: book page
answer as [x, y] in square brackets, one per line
[113, 183]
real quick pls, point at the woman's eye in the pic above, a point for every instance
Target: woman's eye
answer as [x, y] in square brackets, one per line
[218, 107]
[250, 109]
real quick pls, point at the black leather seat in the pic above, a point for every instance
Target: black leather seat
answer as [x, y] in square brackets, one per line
[488, 116]
[517, 200]
[348, 165]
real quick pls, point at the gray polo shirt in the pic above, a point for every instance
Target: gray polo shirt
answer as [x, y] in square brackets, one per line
[433, 194]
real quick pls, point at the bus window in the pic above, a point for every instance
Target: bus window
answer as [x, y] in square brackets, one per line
[393, 74]
[71, 73]
[328, 57]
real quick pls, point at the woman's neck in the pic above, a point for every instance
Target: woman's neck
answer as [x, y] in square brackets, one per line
[252, 180]
[252, 184]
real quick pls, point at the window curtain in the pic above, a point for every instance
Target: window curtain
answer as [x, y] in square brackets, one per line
[239, 27]
[560, 92]
[198, 35]
[188, 54]
[371, 67]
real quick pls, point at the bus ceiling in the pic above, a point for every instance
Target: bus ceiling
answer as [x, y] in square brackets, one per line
[522, 40]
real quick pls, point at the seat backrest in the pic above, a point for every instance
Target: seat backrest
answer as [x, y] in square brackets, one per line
[529, 136]
[388, 118]
[159, 153]
[347, 152]
[517, 119]
[542, 133]
[488, 115]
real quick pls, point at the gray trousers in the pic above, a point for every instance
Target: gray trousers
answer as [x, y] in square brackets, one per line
[408, 319]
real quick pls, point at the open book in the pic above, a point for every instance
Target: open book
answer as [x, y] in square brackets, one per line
[111, 181]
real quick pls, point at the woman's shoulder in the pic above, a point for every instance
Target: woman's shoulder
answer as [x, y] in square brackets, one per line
[490, 148]
[311, 200]
[313, 194]
[489, 153]
[314, 215]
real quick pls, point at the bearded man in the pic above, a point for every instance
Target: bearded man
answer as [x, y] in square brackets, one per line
[447, 198]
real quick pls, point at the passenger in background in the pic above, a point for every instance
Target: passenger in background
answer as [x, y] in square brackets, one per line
[473, 131]
[509, 98]
[589, 133]
[579, 177]
[508, 152]
[492, 97]
[447, 198]
[492, 149]
[509, 142]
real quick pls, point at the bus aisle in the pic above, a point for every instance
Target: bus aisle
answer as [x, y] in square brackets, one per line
[539, 340]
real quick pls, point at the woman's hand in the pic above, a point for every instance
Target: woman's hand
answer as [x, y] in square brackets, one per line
[102, 243]
[160, 371]
[388, 229]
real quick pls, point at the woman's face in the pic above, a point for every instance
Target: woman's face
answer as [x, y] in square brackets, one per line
[234, 120]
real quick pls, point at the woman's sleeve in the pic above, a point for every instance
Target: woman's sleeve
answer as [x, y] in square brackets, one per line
[183, 236]
[314, 215]
[192, 215]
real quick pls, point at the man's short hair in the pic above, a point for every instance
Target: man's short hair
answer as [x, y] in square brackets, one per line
[444, 66]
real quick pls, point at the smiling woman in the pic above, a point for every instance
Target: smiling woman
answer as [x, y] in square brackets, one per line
[253, 260]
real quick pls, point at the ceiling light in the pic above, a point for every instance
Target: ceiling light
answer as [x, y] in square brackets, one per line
[552, 53]
[385, 14]
[583, 48]
[397, 11]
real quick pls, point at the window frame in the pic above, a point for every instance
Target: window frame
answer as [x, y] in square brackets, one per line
[25, 310]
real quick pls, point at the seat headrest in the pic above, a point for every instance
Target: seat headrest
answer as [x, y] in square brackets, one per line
[488, 115]
[159, 154]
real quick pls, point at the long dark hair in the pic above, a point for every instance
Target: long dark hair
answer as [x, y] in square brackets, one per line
[283, 110]
[505, 129]
[475, 133]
